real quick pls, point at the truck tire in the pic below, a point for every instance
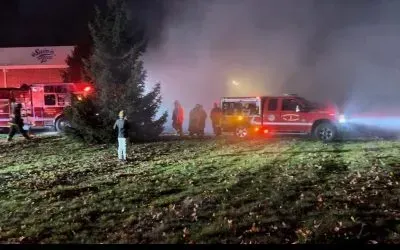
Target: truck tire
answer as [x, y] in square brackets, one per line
[325, 132]
[61, 124]
[242, 132]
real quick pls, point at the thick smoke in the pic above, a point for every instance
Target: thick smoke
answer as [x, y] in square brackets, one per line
[341, 51]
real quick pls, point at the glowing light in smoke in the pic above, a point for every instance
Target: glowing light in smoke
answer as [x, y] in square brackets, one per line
[342, 119]
[235, 83]
[388, 123]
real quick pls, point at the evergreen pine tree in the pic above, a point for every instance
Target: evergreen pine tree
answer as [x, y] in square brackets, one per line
[116, 68]
[84, 121]
[76, 68]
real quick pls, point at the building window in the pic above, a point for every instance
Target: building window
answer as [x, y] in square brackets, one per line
[50, 99]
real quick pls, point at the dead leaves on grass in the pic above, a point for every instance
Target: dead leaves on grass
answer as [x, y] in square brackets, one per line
[253, 229]
[359, 188]
[303, 235]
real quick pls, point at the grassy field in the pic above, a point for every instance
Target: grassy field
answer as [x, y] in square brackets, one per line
[54, 190]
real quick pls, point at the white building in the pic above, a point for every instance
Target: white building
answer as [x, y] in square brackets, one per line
[29, 65]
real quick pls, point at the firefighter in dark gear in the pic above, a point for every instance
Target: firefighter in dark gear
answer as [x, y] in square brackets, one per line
[216, 119]
[177, 118]
[202, 116]
[197, 120]
[16, 123]
[193, 121]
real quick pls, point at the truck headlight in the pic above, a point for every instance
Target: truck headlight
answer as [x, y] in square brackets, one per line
[342, 119]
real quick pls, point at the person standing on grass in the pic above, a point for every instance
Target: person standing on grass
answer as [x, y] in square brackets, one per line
[216, 118]
[202, 116]
[16, 123]
[122, 125]
[177, 118]
[193, 121]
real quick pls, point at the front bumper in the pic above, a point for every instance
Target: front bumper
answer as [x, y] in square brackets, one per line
[344, 127]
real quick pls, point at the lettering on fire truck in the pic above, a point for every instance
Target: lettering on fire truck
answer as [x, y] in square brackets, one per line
[291, 117]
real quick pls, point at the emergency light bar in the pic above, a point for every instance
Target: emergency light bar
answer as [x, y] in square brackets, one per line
[242, 99]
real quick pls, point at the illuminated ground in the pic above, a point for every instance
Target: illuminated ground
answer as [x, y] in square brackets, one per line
[201, 191]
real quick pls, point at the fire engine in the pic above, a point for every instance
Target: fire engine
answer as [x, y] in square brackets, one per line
[285, 114]
[42, 104]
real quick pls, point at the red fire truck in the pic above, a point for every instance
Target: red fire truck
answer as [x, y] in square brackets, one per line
[42, 104]
[286, 114]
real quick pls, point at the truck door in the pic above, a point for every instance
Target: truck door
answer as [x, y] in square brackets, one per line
[38, 105]
[291, 119]
[271, 114]
[55, 99]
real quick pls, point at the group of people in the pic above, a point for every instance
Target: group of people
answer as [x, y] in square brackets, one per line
[197, 119]
[197, 123]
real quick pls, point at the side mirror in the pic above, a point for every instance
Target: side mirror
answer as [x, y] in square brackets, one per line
[298, 109]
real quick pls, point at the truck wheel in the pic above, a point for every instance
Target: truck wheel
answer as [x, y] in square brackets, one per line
[241, 132]
[61, 124]
[325, 132]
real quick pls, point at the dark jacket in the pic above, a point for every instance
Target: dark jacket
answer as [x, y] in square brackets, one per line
[193, 121]
[16, 117]
[122, 126]
[202, 118]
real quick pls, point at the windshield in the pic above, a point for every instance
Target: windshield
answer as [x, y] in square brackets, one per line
[241, 108]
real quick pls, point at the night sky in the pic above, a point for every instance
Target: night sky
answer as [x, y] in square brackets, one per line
[61, 22]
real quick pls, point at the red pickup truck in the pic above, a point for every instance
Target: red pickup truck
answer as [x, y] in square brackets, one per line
[286, 114]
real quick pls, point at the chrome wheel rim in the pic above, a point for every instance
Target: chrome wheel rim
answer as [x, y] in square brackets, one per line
[241, 132]
[325, 134]
[63, 124]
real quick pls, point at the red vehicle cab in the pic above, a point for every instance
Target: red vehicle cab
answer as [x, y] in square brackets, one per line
[42, 104]
[286, 114]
